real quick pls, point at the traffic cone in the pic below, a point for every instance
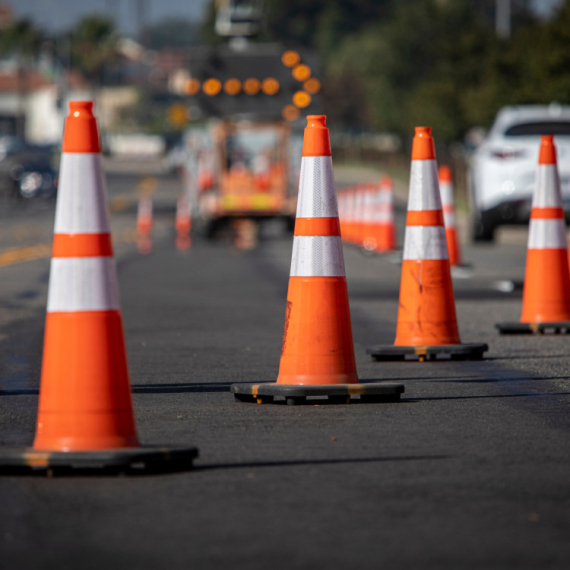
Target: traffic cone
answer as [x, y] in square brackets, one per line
[85, 417]
[317, 355]
[427, 324]
[546, 291]
[183, 224]
[360, 214]
[205, 179]
[144, 224]
[348, 229]
[368, 222]
[383, 226]
[448, 205]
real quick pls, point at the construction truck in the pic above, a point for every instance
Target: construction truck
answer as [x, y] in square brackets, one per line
[250, 100]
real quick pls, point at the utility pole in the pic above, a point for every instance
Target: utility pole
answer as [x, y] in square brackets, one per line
[503, 19]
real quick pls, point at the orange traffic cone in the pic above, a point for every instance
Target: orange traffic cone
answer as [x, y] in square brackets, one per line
[343, 213]
[85, 416]
[368, 221]
[183, 224]
[144, 224]
[317, 356]
[360, 214]
[427, 324]
[546, 292]
[205, 179]
[348, 236]
[448, 205]
[383, 230]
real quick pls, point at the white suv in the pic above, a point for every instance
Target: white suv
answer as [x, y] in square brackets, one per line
[503, 167]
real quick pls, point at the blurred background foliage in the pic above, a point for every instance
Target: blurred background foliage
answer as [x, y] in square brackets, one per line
[392, 64]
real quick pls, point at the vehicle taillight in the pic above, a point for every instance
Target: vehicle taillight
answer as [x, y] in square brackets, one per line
[507, 153]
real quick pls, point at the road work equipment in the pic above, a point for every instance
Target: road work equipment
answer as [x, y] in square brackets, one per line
[448, 206]
[85, 417]
[427, 324]
[317, 355]
[546, 291]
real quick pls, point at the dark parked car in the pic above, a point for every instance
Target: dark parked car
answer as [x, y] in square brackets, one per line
[26, 171]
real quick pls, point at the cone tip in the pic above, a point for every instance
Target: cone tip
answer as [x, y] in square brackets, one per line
[423, 147]
[318, 121]
[316, 140]
[423, 131]
[547, 154]
[76, 107]
[386, 180]
[81, 134]
[444, 174]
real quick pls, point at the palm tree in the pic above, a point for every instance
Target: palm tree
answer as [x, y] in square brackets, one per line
[23, 40]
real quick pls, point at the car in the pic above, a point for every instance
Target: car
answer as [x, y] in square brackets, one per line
[27, 172]
[503, 167]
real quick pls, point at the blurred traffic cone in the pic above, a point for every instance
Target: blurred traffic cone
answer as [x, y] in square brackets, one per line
[448, 205]
[183, 224]
[359, 210]
[144, 224]
[348, 236]
[427, 324]
[341, 199]
[546, 292]
[205, 179]
[384, 228]
[317, 355]
[368, 222]
[85, 400]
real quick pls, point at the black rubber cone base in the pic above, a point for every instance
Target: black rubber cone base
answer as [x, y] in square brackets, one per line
[467, 351]
[292, 394]
[562, 327]
[127, 461]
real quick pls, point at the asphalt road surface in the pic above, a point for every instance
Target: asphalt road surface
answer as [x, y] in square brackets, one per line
[470, 470]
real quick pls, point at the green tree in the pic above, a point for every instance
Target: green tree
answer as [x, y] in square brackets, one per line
[93, 45]
[22, 40]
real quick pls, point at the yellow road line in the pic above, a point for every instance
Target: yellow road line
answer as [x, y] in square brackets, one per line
[20, 254]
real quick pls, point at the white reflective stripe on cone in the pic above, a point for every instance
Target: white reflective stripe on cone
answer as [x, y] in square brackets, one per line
[446, 190]
[383, 216]
[449, 219]
[547, 234]
[317, 256]
[81, 196]
[317, 196]
[368, 207]
[82, 284]
[425, 242]
[423, 182]
[547, 190]
[145, 206]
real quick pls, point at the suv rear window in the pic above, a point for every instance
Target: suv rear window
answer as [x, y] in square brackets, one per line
[542, 128]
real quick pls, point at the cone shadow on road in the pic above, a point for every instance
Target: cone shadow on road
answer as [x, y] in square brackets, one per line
[302, 462]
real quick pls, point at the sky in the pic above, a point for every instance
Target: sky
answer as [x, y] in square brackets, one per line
[57, 15]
